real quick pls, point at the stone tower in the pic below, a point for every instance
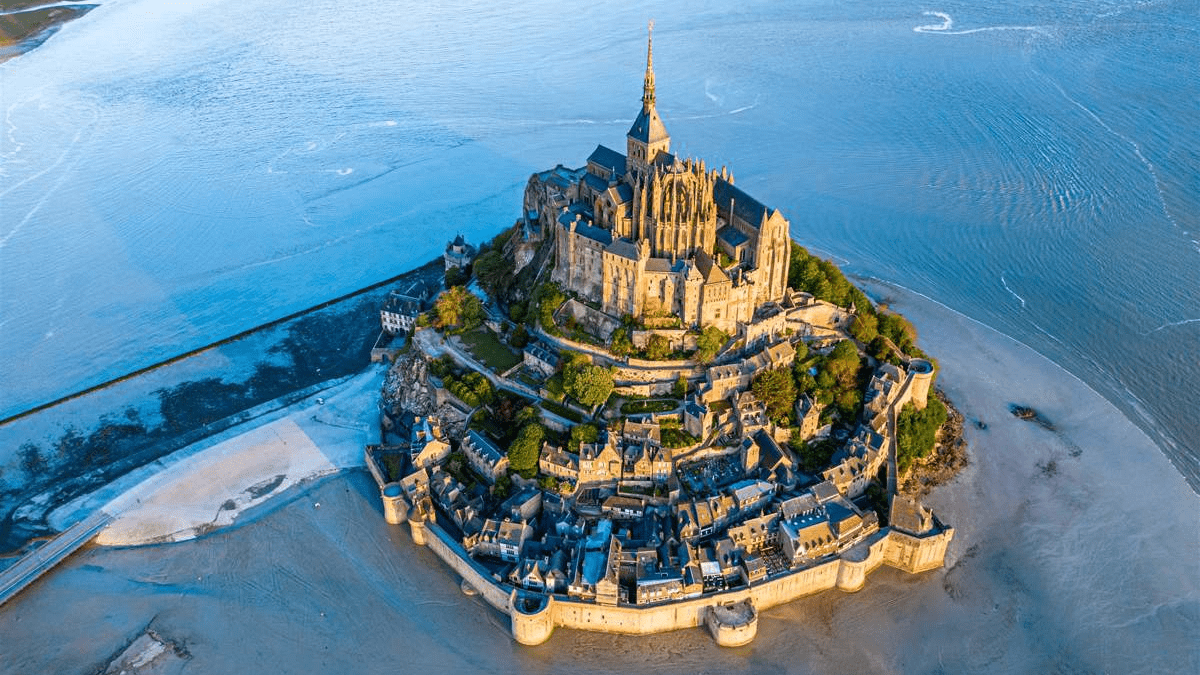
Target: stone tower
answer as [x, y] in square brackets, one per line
[648, 136]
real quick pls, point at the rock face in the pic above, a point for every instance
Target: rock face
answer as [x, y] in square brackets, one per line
[406, 389]
[949, 456]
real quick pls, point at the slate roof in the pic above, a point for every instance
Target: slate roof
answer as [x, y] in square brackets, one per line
[648, 127]
[732, 236]
[542, 352]
[745, 207]
[402, 305]
[595, 182]
[594, 233]
[608, 158]
[623, 248]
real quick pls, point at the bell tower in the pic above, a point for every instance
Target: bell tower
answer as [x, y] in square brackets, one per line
[647, 137]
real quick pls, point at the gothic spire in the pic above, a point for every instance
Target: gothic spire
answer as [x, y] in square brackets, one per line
[648, 86]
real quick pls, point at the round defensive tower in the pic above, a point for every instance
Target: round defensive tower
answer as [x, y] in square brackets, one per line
[395, 509]
[922, 377]
[416, 522]
[532, 617]
[854, 567]
[733, 625]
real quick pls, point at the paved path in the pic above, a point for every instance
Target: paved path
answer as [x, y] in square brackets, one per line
[27, 570]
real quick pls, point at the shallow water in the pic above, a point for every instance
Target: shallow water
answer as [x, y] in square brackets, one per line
[173, 173]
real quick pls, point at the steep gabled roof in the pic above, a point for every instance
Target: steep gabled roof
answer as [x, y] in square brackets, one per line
[609, 159]
[745, 207]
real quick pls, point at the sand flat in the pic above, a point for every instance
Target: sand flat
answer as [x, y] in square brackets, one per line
[211, 489]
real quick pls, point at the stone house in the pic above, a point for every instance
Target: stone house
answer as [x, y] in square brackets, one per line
[541, 357]
[557, 462]
[399, 313]
[600, 462]
[752, 534]
[484, 456]
[503, 539]
[427, 445]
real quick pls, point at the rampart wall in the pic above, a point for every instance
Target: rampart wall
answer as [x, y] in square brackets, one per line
[848, 573]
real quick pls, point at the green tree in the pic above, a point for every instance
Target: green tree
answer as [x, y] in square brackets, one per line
[801, 350]
[621, 345]
[658, 348]
[582, 433]
[587, 383]
[711, 339]
[503, 486]
[458, 307]
[494, 272]
[916, 431]
[777, 390]
[519, 337]
[865, 327]
[679, 389]
[517, 311]
[523, 453]
[457, 276]
[843, 364]
[547, 298]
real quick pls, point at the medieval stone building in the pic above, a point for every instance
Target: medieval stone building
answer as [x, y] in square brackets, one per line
[648, 234]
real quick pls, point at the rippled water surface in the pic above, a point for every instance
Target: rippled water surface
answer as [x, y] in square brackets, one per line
[174, 172]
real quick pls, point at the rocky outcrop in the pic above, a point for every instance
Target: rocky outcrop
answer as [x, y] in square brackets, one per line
[949, 456]
[407, 388]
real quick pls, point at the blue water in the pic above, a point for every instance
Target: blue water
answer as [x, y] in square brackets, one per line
[174, 172]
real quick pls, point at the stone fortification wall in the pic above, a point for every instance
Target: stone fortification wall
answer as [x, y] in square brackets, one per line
[455, 556]
[678, 338]
[848, 573]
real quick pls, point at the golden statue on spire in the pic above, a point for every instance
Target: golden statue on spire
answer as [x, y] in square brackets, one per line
[648, 86]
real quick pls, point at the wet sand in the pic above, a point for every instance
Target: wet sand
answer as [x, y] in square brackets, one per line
[1074, 553]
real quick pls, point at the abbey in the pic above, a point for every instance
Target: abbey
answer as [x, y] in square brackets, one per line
[647, 234]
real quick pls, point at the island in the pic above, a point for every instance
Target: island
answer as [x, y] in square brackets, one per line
[643, 408]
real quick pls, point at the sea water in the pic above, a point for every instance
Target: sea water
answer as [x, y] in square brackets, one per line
[172, 173]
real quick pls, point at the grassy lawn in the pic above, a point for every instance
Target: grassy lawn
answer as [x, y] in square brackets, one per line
[677, 438]
[487, 348]
[653, 406]
[562, 411]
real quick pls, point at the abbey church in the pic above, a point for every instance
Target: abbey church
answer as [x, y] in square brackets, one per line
[647, 234]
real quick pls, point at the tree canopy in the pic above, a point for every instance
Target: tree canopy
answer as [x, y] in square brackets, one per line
[658, 348]
[865, 327]
[524, 451]
[587, 383]
[711, 339]
[545, 300]
[824, 280]
[494, 272]
[582, 433]
[458, 307]
[777, 390]
[916, 431]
